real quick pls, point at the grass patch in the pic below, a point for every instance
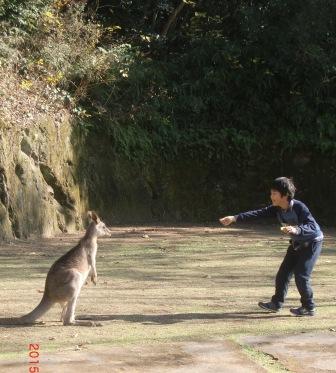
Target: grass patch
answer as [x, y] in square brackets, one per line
[269, 362]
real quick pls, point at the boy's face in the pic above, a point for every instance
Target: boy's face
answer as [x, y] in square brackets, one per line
[278, 199]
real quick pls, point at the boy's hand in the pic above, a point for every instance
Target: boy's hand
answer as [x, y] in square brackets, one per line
[227, 220]
[289, 229]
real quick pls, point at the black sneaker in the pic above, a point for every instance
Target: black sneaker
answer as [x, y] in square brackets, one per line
[302, 311]
[269, 306]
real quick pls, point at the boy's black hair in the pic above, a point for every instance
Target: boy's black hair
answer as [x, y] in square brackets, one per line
[284, 186]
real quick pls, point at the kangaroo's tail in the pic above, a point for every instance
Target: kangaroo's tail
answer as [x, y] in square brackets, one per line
[37, 312]
[32, 316]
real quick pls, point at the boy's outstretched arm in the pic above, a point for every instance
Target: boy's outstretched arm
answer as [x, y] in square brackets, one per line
[243, 216]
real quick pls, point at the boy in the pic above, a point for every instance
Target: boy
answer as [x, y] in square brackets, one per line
[305, 245]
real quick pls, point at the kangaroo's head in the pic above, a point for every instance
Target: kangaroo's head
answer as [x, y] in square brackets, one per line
[97, 226]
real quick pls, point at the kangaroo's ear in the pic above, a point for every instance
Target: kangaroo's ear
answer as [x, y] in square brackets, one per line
[92, 215]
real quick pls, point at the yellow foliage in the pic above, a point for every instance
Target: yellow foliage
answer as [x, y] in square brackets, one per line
[26, 84]
[54, 79]
[48, 14]
[51, 19]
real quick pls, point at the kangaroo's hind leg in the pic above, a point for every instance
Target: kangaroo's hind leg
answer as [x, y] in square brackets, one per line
[69, 314]
[69, 318]
[64, 306]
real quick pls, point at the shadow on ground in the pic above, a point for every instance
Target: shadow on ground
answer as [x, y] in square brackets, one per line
[179, 317]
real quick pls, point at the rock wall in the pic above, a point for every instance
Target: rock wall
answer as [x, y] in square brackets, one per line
[50, 175]
[176, 191]
[186, 190]
[38, 190]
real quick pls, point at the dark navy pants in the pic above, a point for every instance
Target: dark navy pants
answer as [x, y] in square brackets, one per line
[299, 262]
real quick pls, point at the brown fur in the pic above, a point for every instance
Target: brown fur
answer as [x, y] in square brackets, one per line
[67, 276]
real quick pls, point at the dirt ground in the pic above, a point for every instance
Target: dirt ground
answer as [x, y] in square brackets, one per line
[190, 357]
[301, 353]
[171, 299]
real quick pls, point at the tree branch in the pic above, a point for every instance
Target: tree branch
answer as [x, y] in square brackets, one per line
[172, 19]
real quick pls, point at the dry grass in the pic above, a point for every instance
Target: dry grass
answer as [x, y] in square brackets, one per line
[23, 103]
[162, 285]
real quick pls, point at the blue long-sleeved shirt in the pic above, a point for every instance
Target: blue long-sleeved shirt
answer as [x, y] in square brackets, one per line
[297, 214]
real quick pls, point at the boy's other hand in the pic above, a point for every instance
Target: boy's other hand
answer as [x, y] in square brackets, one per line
[289, 229]
[227, 220]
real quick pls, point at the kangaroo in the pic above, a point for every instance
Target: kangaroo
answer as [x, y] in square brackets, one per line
[67, 276]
